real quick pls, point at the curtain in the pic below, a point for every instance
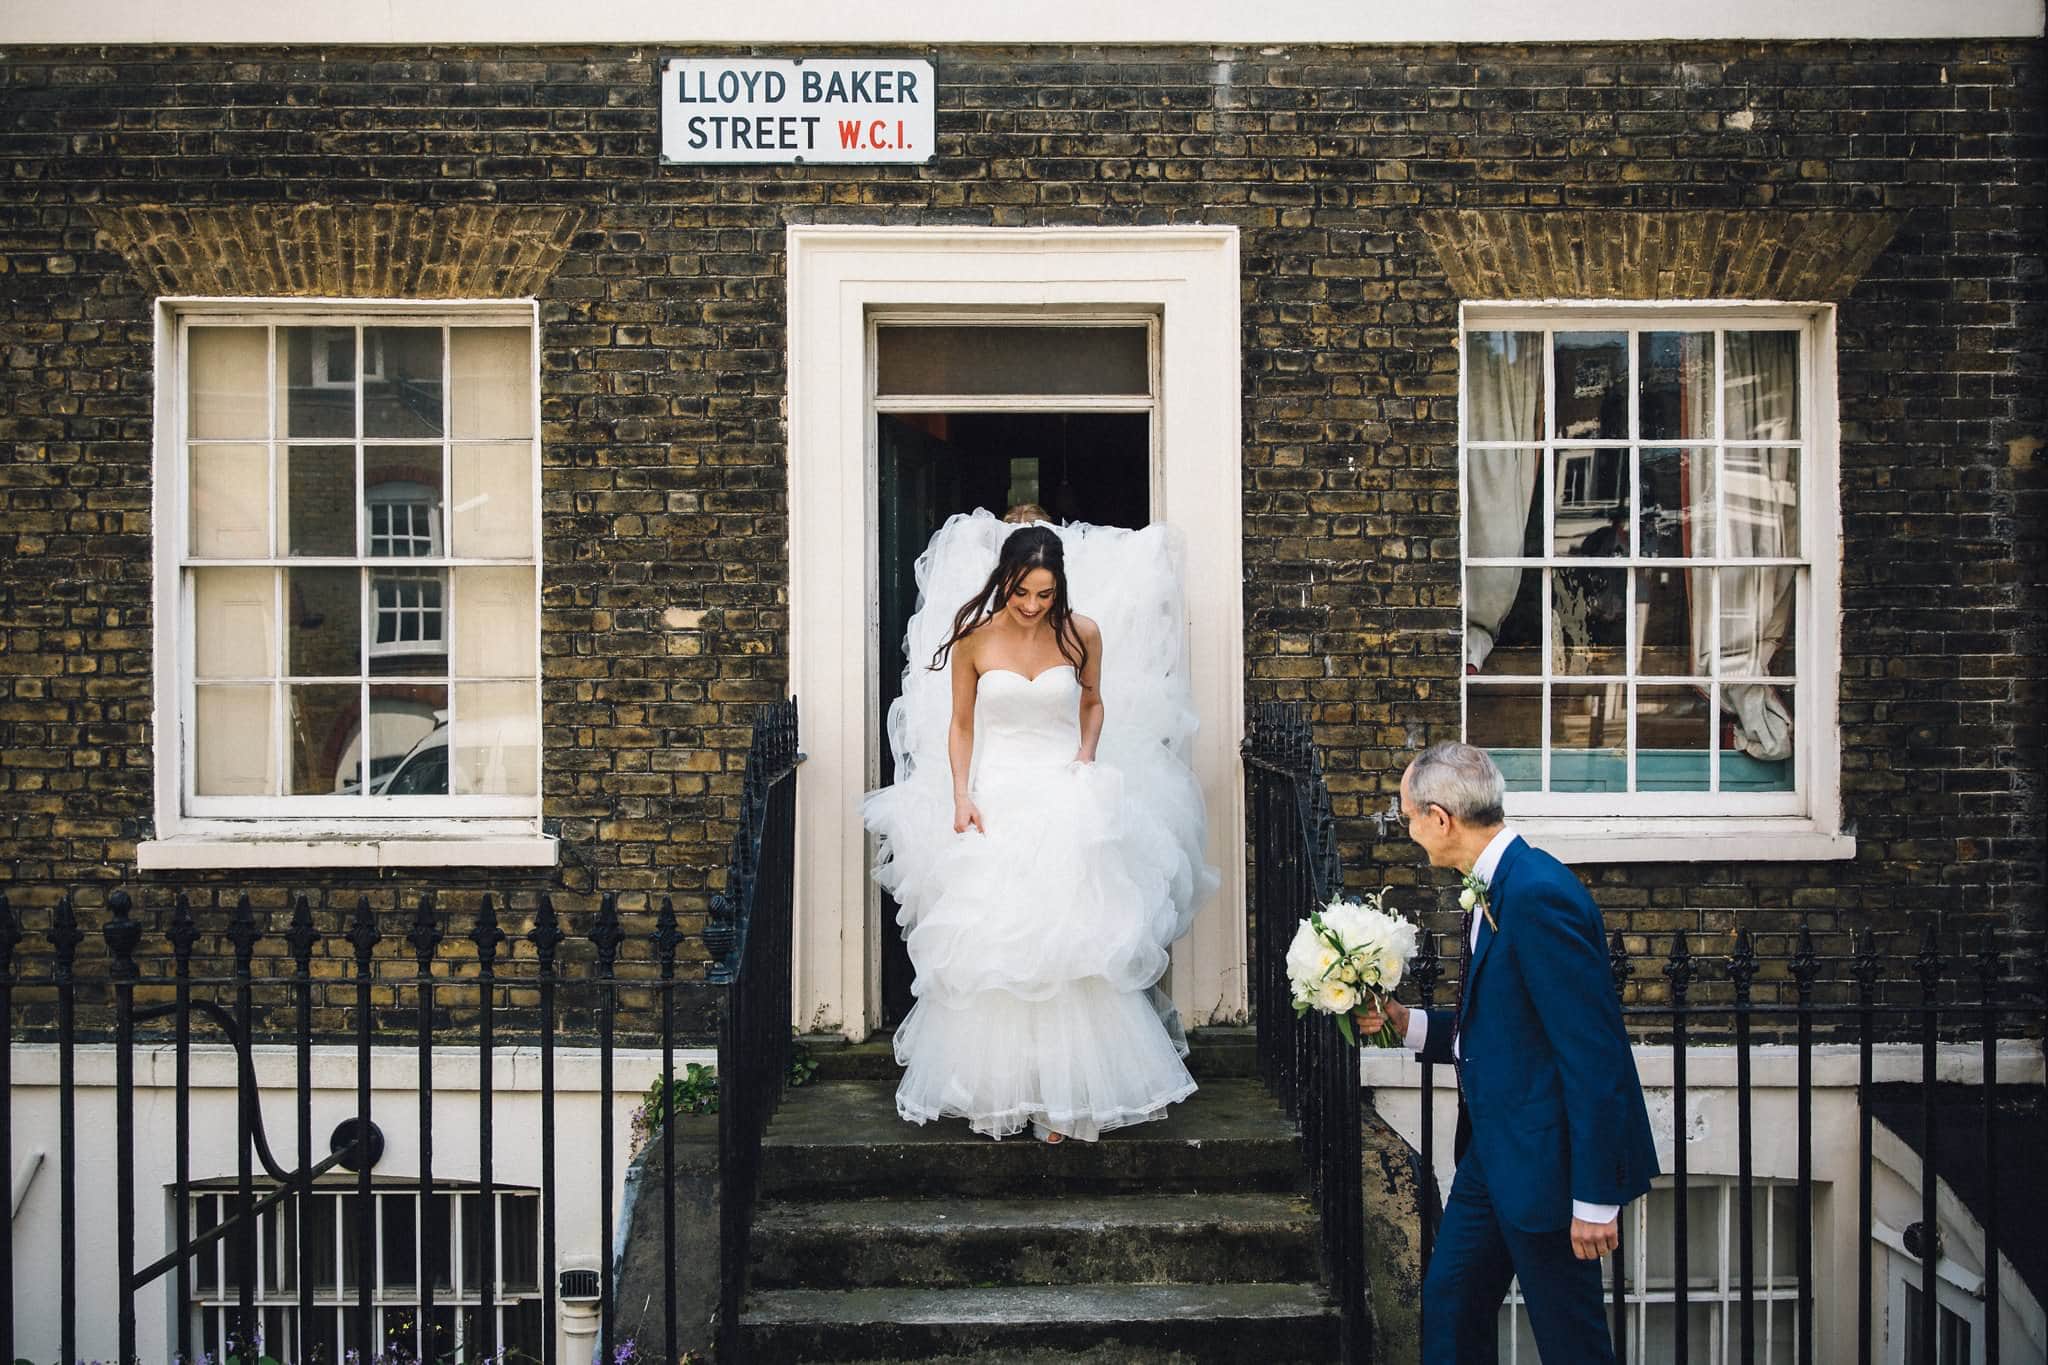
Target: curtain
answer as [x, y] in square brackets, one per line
[1760, 396]
[1503, 403]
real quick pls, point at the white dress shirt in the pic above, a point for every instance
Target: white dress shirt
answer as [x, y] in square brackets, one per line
[1418, 1021]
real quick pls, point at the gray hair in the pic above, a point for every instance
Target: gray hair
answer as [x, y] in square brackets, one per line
[1461, 779]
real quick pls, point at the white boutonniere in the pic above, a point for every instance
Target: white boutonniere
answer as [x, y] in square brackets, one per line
[1473, 897]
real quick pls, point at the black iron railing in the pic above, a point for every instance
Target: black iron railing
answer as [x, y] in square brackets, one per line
[545, 957]
[1306, 1063]
[749, 939]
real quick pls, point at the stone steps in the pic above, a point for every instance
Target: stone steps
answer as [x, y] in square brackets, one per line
[1179, 1242]
[1148, 1238]
[1143, 1324]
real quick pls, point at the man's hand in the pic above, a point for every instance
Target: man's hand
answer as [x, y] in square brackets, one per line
[1370, 1021]
[1591, 1241]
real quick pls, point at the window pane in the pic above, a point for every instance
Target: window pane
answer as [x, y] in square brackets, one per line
[1660, 1340]
[1503, 516]
[493, 378]
[1758, 632]
[228, 383]
[1591, 487]
[439, 1241]
[1761, 393]
[410, 725]
[519, 1235]
[1673, 740]
[981, 360]
[409, 623]
[1667, 644]
[232, 614]
[402, 381]
[1761, 502]
[1677, 368]
[494, 501]
[232, 737]
[230, 502]
[316, 383]
[1592, 385]
[324, 615]
[319, 498]
[319, 1244]
[402, 502]
[496, 739]
[325, 720]
[1588, 732]
[399, 1259]
[1504, 386]
[1589, 620]
[495, 621]
[1677, 519]
[1756, 738]
[1507, 722]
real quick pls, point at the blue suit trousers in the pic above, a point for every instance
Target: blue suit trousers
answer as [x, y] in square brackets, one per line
[1476, 1254]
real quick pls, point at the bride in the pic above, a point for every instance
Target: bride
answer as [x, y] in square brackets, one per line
[1044, 833]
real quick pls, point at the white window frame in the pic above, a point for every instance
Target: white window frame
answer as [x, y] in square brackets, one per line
[1805, 824]
[1776, 1301]
[276, 1294]
[321, 831]
[1951, 1295]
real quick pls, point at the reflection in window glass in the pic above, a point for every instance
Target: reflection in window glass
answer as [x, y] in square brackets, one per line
[1594, 555]
[402, 381]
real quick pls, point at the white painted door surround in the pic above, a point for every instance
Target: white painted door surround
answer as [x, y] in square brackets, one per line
[838, 276]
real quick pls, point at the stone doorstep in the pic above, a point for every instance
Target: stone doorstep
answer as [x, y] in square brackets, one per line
[1152, 1238]
[843, 1139]
[1268, 1323]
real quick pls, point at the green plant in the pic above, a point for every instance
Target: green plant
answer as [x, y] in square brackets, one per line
[694, 1092]
[802, 1065]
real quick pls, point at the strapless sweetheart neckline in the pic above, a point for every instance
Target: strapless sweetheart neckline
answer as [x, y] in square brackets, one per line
[1031, 678]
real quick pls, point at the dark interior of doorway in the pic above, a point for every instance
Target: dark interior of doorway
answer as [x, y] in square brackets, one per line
[1078, 466]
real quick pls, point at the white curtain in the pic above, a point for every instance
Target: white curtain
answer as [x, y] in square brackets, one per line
[1504, 396]
[1760, 396]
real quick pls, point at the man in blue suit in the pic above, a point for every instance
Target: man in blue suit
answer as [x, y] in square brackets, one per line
[1553, 1137]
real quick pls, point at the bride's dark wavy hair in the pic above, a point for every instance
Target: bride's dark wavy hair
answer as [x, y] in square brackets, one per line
[1025, 549]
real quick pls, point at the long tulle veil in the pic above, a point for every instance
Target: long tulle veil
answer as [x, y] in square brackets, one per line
[1130, 583]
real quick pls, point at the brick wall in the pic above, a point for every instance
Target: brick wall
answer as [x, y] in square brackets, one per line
[662, 390]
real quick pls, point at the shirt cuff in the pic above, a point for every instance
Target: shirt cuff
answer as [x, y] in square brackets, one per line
[1418, 1030]
[1594, 1213]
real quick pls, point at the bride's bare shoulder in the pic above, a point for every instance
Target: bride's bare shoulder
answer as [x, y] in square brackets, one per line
[1086, 628]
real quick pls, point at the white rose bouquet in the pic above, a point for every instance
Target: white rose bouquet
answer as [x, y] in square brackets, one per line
[1349, 955]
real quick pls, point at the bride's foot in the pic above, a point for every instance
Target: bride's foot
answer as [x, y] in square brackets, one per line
[1045, 1134]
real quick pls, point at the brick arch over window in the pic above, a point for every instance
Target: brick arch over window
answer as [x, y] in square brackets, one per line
[1523, 254]
[347, 251]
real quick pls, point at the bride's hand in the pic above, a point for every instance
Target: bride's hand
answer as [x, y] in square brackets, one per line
[967, 815]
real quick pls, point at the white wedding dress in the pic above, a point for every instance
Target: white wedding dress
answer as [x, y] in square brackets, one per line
[1040, 944]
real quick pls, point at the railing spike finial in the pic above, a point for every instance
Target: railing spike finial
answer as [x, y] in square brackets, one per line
[301, 936]
[1428, 967]
[1742, 966]
[184, 929]
[243, 932]
[1928, 961]
[426, 933]
[1867, 964]
[1680, 967]
[546, 934]
[607, 933]
[487, 936]
[363, 933]
[65, 936]
[721, 935]
[1805, 964]
[123, 935]
[1618, 964]
[667, 936]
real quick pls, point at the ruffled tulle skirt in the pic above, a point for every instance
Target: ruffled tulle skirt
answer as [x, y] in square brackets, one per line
[1038, 946]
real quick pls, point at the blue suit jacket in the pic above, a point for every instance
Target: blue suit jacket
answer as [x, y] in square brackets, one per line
[1548, 1092]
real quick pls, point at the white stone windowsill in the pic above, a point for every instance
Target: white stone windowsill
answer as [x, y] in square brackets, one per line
[215, 852]
[1684, 840]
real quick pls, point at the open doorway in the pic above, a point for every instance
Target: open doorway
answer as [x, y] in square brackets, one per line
[1078, 466]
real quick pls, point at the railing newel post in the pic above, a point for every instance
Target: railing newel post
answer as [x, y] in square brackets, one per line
[1989, 967]
[1804, 966]
[1742, 966]
[65, 936]
[546, 937]
[1928, 963]
[10, 939]
[1867, 967]
[300, 938]
[1679, 969]
[487, 936]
